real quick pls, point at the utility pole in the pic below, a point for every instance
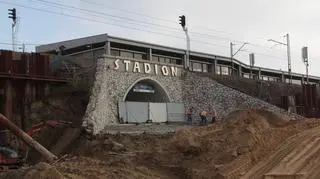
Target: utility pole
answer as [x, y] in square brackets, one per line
[182, 22]
[233, 54]
[288, 53]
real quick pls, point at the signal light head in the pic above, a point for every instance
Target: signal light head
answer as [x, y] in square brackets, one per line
[182, 20]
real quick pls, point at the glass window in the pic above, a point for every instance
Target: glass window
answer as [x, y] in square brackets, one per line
[168, 60]
[205, 67]
[246, 75]
[155, 58]
[224, 70]
[162, 60]
[297, 82]
[196, 67]
[173, 61]
[218, 70]
[115, 52]
[144, 56]
[138, 56]
[126, 54]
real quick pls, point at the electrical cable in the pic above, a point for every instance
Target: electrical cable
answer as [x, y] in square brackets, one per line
[94, 20]
[148, 23]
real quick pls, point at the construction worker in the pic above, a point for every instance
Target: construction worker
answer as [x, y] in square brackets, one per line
[214, 115]
[203, 116]
[189, 115]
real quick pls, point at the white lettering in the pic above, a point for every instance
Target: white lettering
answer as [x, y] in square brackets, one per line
[156, 69]
[127, 64]
[136, 67]
[165, 71]
[116, 63]
[174, 71]
[147, 68]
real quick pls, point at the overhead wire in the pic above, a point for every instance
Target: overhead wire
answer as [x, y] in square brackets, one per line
[94, 20]
[124, 18]
[144, 22]
[123, 10]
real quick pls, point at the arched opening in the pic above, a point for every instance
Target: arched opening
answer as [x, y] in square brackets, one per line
[147, 90]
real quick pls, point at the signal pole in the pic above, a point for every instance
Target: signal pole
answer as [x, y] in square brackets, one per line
[13, 15]
[182, 22]
[305, 60]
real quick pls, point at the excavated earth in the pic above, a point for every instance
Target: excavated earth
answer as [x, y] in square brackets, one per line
[247, 144]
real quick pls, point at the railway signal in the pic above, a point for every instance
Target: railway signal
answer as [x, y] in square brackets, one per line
[182, 20]
[13, 14]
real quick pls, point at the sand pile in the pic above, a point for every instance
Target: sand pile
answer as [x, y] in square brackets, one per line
[231, 148]
[224, 150]
[227, 149]
[41, 170]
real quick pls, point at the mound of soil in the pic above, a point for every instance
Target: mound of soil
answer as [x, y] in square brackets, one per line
[41, 170]
[227, 149]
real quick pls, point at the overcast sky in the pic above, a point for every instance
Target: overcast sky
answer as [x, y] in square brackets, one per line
[212, 25]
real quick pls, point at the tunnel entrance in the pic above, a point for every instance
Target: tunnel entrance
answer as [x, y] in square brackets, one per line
[147, 101]
[147, 90]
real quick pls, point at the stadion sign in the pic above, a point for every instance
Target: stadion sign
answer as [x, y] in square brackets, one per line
[145, 67]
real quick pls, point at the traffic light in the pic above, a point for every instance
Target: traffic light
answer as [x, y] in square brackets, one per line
[182, 20]
[13, 15]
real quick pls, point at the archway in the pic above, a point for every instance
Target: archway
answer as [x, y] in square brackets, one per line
[147, 90]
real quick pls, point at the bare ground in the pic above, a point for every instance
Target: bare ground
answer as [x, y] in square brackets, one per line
[228, 149]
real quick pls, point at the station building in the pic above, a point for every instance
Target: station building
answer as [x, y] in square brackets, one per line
[139, 82]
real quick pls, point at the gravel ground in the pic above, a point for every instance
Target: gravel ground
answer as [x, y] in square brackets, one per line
[160, 128]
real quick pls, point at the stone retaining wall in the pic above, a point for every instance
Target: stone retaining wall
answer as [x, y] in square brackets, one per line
[193, 89]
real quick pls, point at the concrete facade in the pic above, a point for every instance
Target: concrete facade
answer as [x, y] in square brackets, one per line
[112, 83]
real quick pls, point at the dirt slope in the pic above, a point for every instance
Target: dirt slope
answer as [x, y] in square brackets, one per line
[225, 150]
[298, 156]
[246, 144]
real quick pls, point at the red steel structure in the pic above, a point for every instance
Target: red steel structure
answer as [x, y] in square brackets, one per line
[25, 77]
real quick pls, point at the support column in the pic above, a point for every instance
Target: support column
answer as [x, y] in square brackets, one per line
[214, 65]
[240, 70]
[302, 80]
[150, 54]
[108, 48]
[283, 80]
[259, 74]
[185, 61]
[8, 96]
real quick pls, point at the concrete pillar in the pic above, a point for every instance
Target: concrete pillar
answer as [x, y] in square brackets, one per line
[185, 61]
[283, 80]
[302, 79]
[240, 71]
[259, 74]
[108, 48]
[214, 65]
[150, 54]
[8, 96]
